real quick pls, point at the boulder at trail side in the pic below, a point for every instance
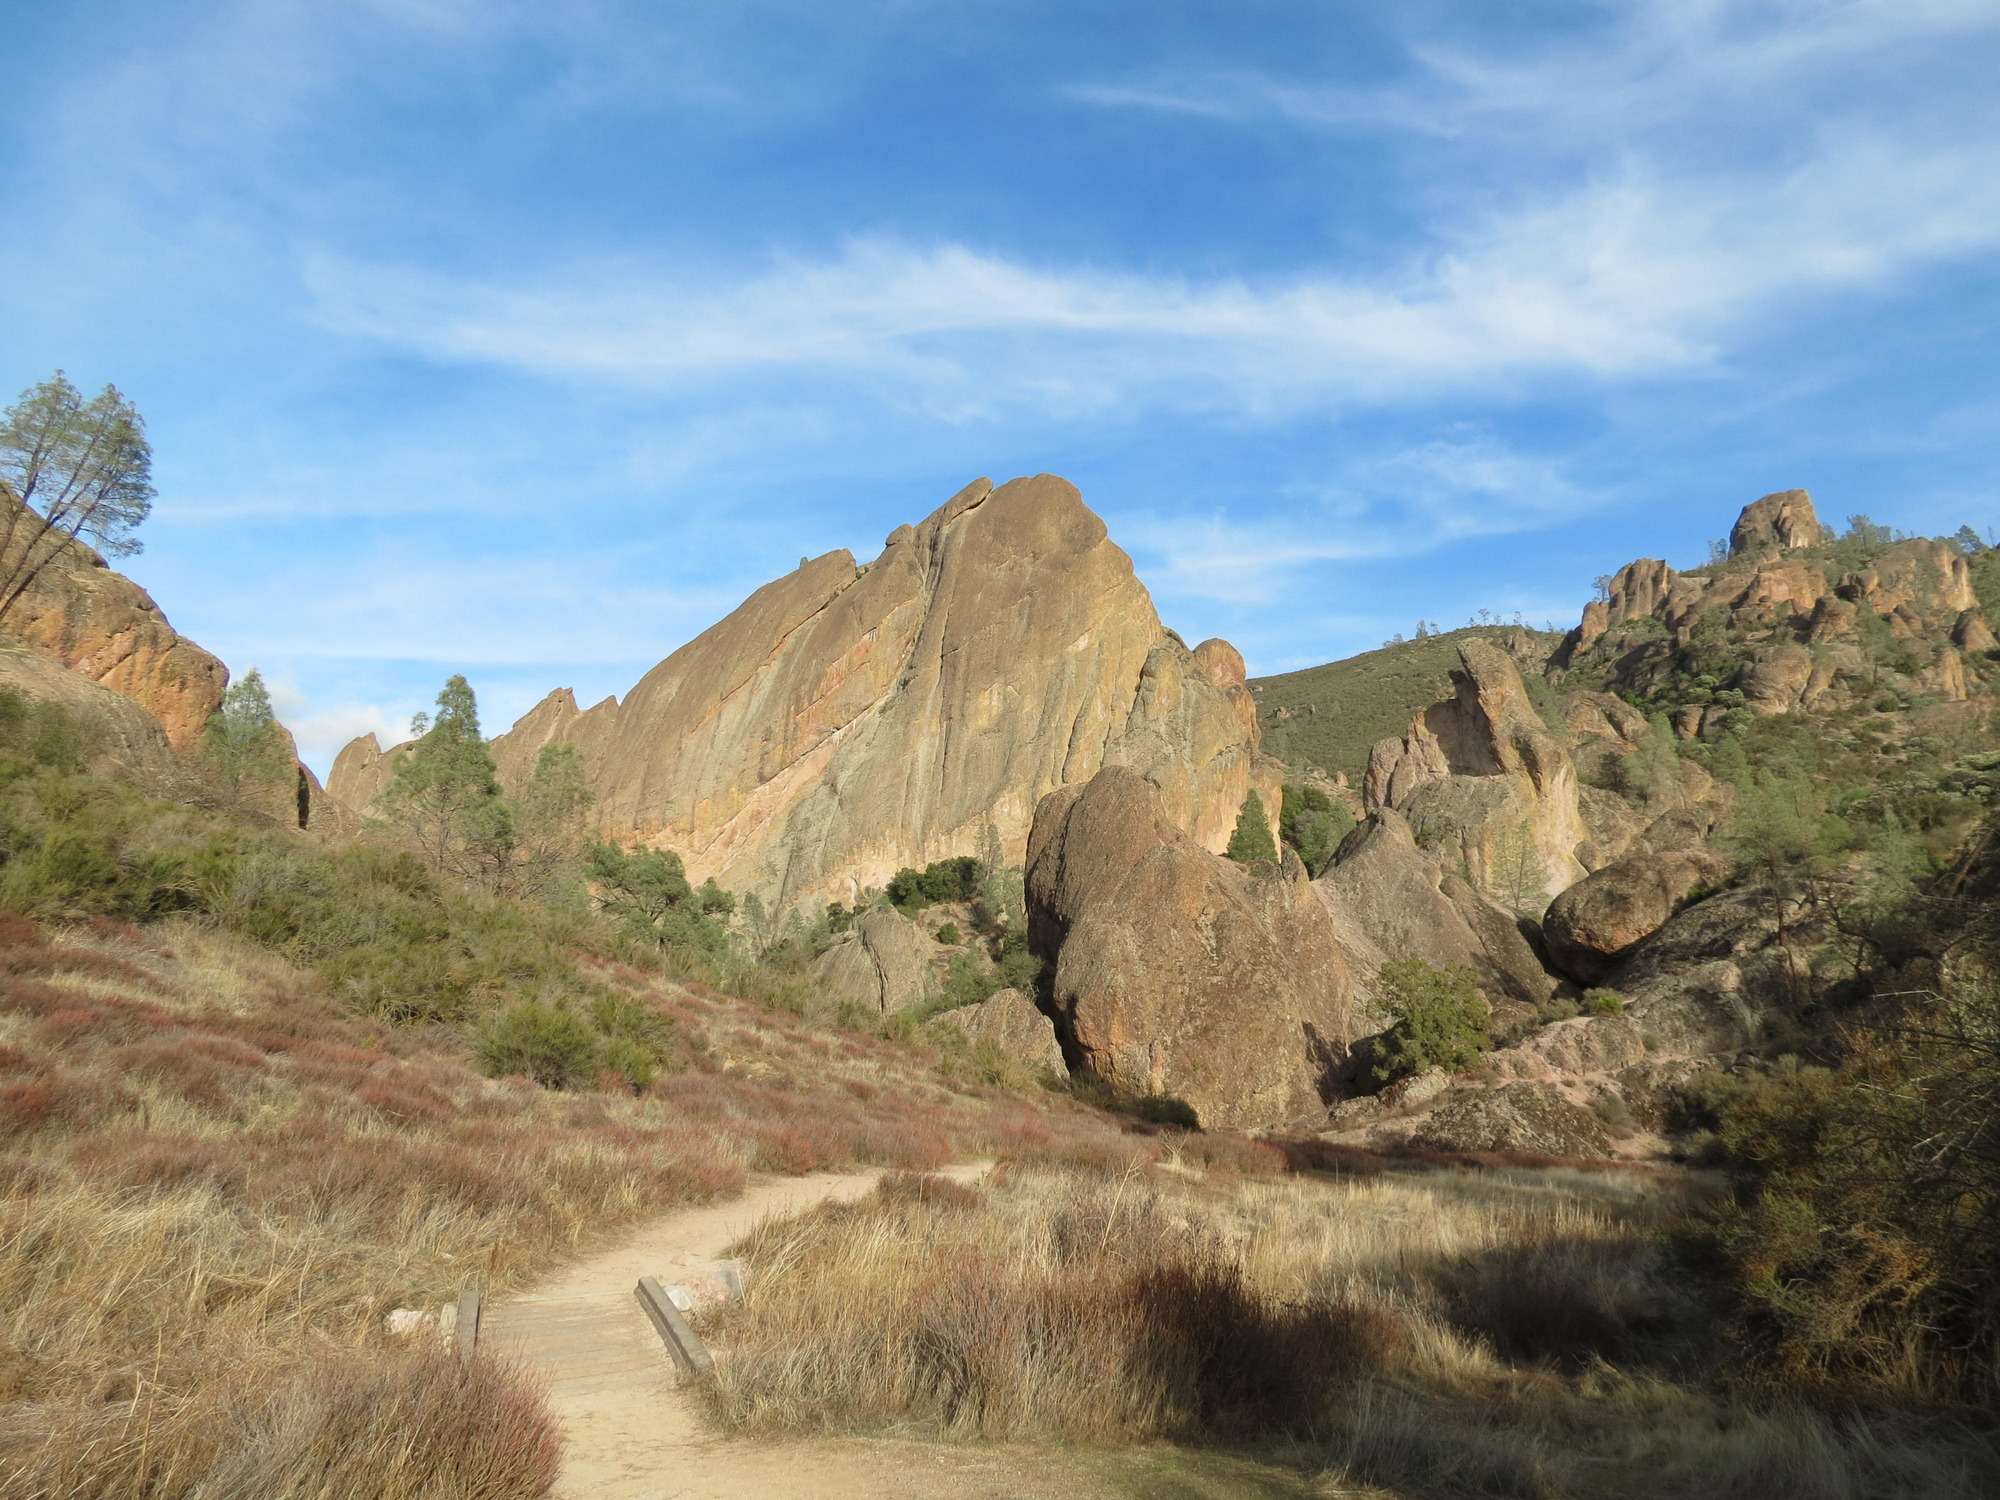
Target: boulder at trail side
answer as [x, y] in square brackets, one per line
[1008, 1019]
[1175, 971]
[885, 965]
[1519, 1117]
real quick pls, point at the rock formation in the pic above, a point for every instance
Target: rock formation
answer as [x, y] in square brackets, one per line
[1388, 901]
[846, 721]
[1482, 775]
[99, 623]
[1174, 971]
[122, 731]
[1008, 1020]
[1600, 920]
[887, 963]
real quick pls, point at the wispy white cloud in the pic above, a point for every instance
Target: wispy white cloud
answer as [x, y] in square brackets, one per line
[1632, 274]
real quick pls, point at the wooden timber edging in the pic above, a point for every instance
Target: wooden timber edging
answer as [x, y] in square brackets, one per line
[465, 1322]
[682, 1342]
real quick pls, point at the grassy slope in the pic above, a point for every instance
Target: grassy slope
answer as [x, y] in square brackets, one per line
[1360, 700]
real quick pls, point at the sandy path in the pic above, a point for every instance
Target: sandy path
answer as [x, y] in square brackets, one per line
[633, 1436]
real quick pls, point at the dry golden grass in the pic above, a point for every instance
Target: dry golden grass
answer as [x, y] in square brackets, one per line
[1441, 1333]
[214, 1184]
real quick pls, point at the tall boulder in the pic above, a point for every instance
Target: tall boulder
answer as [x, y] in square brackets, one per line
[1175, 971]
[848, 720]
[82, 615]
[888, 963]
[1486, 781]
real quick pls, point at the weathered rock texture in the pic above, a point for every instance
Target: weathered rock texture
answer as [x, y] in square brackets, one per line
[1176, 972]
[1599, 921]
[1388, 901]
[1008, 1019]
[887, 963]
[1481, 776]
[116, 728]
[99, 623]
[847, 721]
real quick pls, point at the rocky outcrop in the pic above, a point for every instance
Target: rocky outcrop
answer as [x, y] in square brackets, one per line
[1599, 921]
[1780, 522]
[1387, 901]
[1519, 1117]
[114, 728]
[98, 623]
[888, 963]
[1008, 1020]
[1481, 777]
[1176, 972]
[846, 721]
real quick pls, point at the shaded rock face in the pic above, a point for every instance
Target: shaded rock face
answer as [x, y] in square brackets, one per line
[886, 964]
[123, 732]
[361, 773]
[97, 622]
[1481, 774]
[1600, 920]
[1176, 972]
[1008, 1019]
[1387, 901]
[847, 721]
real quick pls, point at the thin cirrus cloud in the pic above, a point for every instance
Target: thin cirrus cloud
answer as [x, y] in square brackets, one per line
[1633, 276]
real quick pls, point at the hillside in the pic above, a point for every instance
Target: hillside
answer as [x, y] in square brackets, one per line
[1331, 716]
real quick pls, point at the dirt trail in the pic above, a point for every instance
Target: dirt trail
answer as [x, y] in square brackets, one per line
[632, 1435]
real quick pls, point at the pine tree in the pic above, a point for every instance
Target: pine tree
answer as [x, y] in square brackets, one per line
[445, 794]
[549, 824]
[244, 744]
[77, 469]
[1252, 839]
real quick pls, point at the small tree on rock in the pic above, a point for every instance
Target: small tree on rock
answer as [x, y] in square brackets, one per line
[1252, 839]
[78, 469]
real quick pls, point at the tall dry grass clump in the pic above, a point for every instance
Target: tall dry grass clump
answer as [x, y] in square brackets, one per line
[1445, 1333]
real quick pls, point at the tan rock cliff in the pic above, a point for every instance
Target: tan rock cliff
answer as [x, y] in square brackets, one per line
[847, 721]
[97, 622]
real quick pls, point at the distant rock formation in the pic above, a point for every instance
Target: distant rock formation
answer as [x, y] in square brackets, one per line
[1175, 971]
[888, 962]
[846, 721]
[81, 614]
[1482, 774]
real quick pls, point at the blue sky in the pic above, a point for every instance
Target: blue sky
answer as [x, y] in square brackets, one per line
[524, 339]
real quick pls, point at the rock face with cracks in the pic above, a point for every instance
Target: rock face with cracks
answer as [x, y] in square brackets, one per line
[83, 615]
[1175, 971]
[1008, 1019]
[847, 721]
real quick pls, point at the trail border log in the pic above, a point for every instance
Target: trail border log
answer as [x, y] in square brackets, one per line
[682, 1342]
[465, 1322]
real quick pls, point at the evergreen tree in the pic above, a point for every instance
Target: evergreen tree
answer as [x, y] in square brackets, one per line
[549, 824]
[78, 469]
[1440, 1020]
[244, 744]
[446, 797]
[1252, 839]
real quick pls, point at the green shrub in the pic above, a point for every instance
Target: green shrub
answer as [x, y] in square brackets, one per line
[1440, 1020]
[959, 879]
[1313, 824]
[948, 934]
[1605, 1002]
[555, 1047]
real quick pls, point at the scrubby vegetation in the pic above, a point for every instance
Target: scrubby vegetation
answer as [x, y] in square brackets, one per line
[1510, 1332]
[258, 1088]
